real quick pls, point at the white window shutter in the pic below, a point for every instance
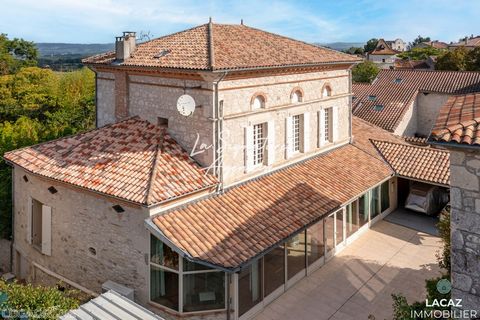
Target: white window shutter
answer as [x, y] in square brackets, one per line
[46, 230]
[306, 132]
[271, 142]
[29, 220]
[335, 125]
[321, 128]
[288, 137]
[248, 148]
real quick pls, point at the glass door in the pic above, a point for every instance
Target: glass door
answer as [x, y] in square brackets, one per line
[296, 258]
[274, 273]
[330, 235]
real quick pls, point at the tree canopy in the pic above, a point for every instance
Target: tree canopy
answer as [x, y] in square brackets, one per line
[365, 72]
[419, 53]
[419, 39]
[370, 45]
[16, 54]
[460, 59]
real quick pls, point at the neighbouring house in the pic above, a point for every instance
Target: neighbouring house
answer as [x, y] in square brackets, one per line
[432, 44]
[210, 208]
[407, 102]
[457, 129]
[469, 42]
[397, 44]
[383, 55]
[405, 64]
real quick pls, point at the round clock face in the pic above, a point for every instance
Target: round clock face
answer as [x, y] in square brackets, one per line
[186, 105]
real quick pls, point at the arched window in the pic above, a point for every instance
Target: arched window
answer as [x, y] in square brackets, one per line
[258, 102]
[327, 91]
[297, 96]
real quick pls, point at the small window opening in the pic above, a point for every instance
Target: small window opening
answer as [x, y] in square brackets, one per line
[378, 107]
[52, 190]
[25, 178]
[372, 98]
[162, 122]
[92, 251]
[118, 208]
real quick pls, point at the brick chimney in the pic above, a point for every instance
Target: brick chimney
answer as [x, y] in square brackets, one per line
[125, 45]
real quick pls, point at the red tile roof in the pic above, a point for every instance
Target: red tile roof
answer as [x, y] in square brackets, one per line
[420, 163]
[231, 47]
[471, 42]
[132, 160]
[459, 121]
[395, 98]
[401, 64]
[383, 48]
[230, 229]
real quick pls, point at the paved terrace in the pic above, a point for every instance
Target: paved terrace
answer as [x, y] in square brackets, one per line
[359, 281]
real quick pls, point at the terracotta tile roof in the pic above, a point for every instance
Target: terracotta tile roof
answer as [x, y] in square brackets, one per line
[232, 47]
[401, 64]
[421, 163]
[436, 44]
[363, 133]
[230, 229]
[393, 99]
[459, 121]
[420, 141]
[471, 42]
[383, 48]
[131, 160]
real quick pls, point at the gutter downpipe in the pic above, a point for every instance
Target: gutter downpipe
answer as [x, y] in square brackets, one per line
[218, 118]
[12, 240]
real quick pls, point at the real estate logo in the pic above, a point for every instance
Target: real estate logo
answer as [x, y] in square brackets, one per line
[444, 286]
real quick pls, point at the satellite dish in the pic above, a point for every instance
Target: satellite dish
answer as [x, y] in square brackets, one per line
[185, 105]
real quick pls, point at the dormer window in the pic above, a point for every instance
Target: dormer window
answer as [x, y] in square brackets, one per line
[327, 91]
[258, 102]
[372, 98]
[397, 80]
[378, 107]
[296, 96]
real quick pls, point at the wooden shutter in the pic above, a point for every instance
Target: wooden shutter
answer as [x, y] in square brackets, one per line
[248, 148]
[271, 142]
[321, 128]
[46, 230]
[306, 132]
[29, 220]
[288, 137]
[335, 125]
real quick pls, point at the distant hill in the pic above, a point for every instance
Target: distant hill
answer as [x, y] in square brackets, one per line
[59, 49]
[341, 45]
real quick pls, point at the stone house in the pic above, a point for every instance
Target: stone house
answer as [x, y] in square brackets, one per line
[383, 55]
[397, 44]
[226, 166]
[469, 43]
[407, 102]
[457, 129]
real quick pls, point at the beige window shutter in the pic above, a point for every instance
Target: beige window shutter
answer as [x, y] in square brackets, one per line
[288, 137]
[271, 142]
[335, 124]
[46, 230]
[321, 128]
[29, 220]
[306, 132]
[248, 148]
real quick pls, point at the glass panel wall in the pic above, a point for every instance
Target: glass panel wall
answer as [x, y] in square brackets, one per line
[295, 255]
[330, 232]
[339, 227]
[274, 266]
[385, 196]
[250, 287]
[203, 291]
[203, 287]
[315, 243]
[375, 202]
[363, 206]
[352, 218]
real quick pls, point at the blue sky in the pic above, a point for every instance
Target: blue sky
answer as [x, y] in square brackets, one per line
[98, 21]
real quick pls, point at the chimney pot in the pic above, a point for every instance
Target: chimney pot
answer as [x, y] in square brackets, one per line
[125, 45]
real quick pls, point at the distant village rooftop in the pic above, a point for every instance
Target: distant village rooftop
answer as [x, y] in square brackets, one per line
[216, 47]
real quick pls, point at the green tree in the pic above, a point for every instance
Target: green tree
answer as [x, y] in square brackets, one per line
[454, 60]
[16, 54]
[419, 40]
[420, 53]
[370, 45]
[365, 72]
[473, 60]
[354, 50]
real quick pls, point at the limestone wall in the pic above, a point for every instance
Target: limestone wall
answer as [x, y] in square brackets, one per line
[428, 106]
[465, 224]
[81, 221]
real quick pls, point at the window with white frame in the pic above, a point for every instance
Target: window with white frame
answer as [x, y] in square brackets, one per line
[297, 96]
[258, 102]
[259, 139]
[296, 133]
[328, 114]
[182, 285]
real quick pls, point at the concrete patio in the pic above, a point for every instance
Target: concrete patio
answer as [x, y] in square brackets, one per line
[359, 281]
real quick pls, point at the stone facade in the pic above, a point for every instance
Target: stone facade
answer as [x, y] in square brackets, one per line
[465, 230]
[82, 222]
[384, 61]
